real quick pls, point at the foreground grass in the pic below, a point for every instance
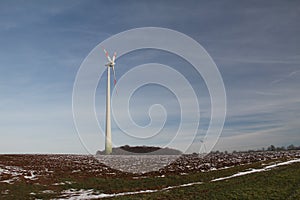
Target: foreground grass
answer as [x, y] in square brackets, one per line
[279, 183]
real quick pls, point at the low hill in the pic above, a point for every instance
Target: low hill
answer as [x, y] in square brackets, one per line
[144, 150]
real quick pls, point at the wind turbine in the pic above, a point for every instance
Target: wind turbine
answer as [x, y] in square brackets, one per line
[111, 64]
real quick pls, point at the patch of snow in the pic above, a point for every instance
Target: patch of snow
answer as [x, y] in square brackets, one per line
[239, 174]
[73, 194]
[47, 191]
[62, 183]
[31, 177]
[9, 181]
[5, 192]
[257, 170]
[139, 177]
[225, 167]
[283, 163]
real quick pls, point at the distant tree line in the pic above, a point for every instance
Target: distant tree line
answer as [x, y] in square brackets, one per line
[283, 148]
[269, 148]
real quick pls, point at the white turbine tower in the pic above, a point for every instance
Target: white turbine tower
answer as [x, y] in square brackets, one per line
[111, 64]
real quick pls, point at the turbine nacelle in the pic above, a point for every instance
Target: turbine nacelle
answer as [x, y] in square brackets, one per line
[110, 64]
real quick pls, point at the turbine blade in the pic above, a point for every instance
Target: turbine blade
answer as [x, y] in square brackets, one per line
[115, 80]
[107, 55]
[114, 56]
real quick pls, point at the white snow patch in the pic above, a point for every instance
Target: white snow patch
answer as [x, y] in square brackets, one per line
[32, 176]
[62, 183]
[47, 191]
[111, 173]
[5, 192]
[256, 170]
[139, 177]
[10, 181]
[16, 172]
[73, 194]
[283, 163]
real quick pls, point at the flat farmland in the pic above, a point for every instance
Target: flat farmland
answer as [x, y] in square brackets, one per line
[247, 175]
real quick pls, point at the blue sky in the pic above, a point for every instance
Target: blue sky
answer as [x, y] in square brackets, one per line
[255, 45]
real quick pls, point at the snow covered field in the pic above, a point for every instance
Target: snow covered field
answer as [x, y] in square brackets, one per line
[85, 177]
[72, 194]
